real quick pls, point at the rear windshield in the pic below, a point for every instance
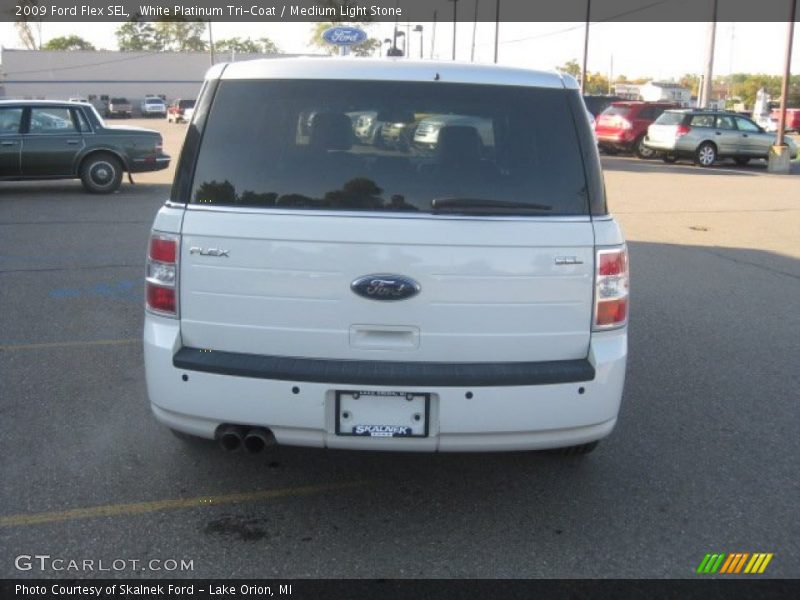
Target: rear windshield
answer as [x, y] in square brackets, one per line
[186, 104]
[119, 101]
[153, 101]
[390, 146]
[670, 118]
[620, 111]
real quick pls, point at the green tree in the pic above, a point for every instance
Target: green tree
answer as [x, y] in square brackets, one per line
[179, 35]
[68, 42]
[596, 83]
[691, 82]
[263, 45]
[571, 67]
[268, 46]
[135, 35]
[169, 35]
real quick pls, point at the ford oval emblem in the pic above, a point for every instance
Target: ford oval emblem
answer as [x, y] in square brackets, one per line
[385, 287]
[344, 36]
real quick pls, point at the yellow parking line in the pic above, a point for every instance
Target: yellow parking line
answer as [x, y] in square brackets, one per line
[138, 508]
[71, 344]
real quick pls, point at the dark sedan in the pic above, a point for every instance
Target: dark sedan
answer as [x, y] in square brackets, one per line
[69, 140]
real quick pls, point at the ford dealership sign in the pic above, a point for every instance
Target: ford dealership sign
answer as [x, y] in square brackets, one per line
[344, 36]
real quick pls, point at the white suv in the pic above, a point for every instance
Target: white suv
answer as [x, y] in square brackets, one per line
[304, 289]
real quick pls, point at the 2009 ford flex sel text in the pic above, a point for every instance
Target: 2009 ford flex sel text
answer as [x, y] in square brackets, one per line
[313, 287]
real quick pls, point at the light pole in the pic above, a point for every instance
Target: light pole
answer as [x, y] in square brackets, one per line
[418, 29]
[705, 94]
[586, 46]
[455, 20]
[496, 28]
[779, 157]
[474, 29]
[433, 33]
[786, 75]
[211, 42]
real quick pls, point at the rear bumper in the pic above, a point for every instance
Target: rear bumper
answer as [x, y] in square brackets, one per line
[493, 417]
[619, 140]
[146, 165]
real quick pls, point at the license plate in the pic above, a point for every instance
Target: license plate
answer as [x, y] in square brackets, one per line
[382, 414]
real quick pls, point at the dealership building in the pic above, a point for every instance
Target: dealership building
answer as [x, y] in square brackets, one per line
[98, 74]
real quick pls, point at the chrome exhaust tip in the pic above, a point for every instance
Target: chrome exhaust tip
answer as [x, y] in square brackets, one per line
[258, 439]
[230, 437]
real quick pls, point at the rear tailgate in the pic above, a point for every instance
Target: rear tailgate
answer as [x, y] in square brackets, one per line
[491, 290]
[662, 134]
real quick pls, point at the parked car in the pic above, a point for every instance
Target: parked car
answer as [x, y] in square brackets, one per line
[398, 131]
[305, 290]
[153, 106]
[78, 99]
[69, 140]
[708, 135]
[180, 111]
[119, 107]
[792, 118]
[623, 126]
[427, 132]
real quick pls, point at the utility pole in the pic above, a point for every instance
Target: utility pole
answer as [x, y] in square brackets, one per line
[455, 21]
[211, 42]
[496, 28]
[394, 37]
[586, 45]
[708, 74]
[433, 33]
[611, 75]
[786, 74]
[474, 28]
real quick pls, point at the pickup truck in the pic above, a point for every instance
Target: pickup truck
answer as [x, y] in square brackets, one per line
[119, 107]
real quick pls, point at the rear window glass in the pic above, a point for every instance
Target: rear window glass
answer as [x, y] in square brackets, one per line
[703, 121]
[186, 104]
[670, 118]
[119, 101]
[620, 111]
[10, 119]
[389, 146]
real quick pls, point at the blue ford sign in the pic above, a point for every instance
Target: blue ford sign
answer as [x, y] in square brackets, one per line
[344, 36]
[385, 287]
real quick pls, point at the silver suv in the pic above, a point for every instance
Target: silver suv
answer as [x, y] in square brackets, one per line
[707, 136]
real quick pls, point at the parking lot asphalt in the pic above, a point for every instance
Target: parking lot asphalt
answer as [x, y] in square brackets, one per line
[704, 458]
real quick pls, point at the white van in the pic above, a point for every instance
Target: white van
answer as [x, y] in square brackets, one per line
[308, 290]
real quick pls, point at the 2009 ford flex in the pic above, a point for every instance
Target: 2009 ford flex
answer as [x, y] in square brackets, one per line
[464, 291]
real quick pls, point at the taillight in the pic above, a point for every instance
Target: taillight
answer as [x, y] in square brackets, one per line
[611, 289]
[682, 130]
[161, 278]
[159, 146]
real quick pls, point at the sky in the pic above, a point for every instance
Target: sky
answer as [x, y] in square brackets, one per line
[658, 50]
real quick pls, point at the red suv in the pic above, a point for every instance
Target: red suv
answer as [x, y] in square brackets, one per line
[623, 126]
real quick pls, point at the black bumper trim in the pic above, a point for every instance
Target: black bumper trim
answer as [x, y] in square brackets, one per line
[383, 373]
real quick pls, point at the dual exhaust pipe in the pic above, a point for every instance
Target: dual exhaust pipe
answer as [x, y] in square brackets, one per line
[253, 439]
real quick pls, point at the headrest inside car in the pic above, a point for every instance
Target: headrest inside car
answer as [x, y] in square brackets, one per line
[331, 131]
[459, 144]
